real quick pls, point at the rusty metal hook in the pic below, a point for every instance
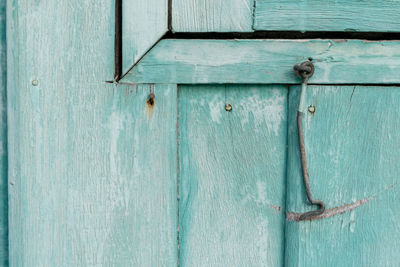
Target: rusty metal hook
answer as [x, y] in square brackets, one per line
[305, 70]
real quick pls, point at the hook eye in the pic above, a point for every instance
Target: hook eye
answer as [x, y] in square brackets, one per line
[304, 70]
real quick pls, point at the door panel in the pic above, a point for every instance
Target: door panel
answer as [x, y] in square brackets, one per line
[114, 206]
[353, 152]
[232, 169]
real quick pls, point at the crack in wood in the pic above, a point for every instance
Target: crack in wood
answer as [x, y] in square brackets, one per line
[291, 216]
[295, 216]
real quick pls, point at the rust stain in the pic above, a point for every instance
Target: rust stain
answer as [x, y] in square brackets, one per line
[291, 216]
[150, 103]
[151, 100]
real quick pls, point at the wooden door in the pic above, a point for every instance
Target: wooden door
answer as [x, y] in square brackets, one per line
[206, 173]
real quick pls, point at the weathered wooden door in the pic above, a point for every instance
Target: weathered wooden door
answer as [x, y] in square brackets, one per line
[191, 156]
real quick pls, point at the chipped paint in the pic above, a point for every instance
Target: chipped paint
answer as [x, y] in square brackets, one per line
[271, 110]
[277, 208]
[215, 108]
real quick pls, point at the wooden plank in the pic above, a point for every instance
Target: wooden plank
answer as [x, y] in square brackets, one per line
[212, 15]
[3, 139]
[268, 61]
[92, 169]
[144, 23]
[353, 156]
[330, 15]
[232, 172]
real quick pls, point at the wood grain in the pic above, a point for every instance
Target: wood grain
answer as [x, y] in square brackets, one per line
[231, 211]
[212, 15]
[330, 15]
[86, 184]
[144, 23]
[268, 61]
[3, 139]
[352, 145]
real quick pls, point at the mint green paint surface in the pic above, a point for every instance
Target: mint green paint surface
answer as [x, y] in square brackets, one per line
[268, 61]
[212, 15]
[144, 23]
[328, 15]
[3, 140]
[86, 183]
[232, 175]
[353, 153]
[98, 177]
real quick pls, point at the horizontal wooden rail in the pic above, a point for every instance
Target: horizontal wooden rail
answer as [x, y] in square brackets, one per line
[268, 62]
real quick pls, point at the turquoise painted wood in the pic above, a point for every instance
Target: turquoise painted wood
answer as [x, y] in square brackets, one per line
[329, 15]
[3, 140]
[352, 145]
[268, 61]
[86, 183]
[232, 175]
[212, 15]
[98, 176]
[144, 23]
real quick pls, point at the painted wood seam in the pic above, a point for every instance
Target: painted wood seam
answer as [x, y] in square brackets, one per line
[3, 140]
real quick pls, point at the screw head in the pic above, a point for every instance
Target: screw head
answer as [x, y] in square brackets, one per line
[35, 82]
[228, 107]
[311, 109]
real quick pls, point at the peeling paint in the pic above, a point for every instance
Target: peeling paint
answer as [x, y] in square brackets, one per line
[215, 108]
[271, 110]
